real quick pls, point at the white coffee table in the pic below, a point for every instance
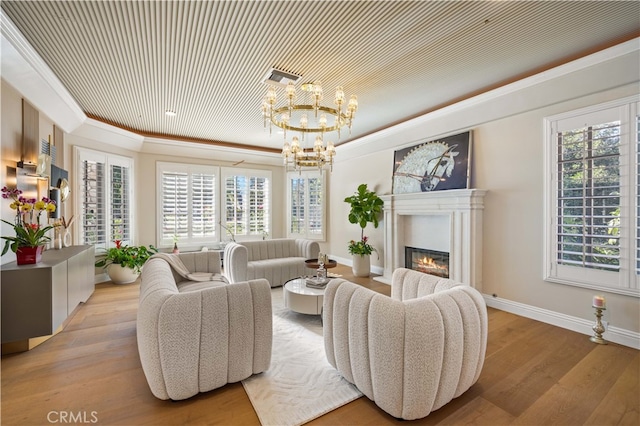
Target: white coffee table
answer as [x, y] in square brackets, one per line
[300, 298]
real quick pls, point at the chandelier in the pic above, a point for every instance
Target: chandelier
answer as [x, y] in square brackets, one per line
[295, 156]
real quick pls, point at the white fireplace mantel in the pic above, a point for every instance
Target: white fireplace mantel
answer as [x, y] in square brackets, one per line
[451, 218]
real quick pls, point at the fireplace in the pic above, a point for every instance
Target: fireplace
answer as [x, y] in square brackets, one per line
[449, 221]
[432, 262]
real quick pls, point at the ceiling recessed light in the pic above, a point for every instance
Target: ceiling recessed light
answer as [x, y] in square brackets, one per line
[170, 113]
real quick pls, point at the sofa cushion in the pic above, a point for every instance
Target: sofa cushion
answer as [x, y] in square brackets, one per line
[186, 286]
[271, 249]
[277, 271]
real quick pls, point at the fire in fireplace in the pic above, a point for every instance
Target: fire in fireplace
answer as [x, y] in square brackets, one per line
[428, 261]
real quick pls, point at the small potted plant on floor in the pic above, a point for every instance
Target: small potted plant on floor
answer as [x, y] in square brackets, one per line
[366, 206]
[124, 263]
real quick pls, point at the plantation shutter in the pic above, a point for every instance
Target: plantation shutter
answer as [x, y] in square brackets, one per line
[637, 207]
[175, 205]
[258, 205]
[93, 203]
[203, 205]
[105, 207]
[588, 216]
[120, 202]
[235, 204]
[247, 201]
[187, 205]
[316, 210]
[297, 203]
[593, 194]
[306, 205]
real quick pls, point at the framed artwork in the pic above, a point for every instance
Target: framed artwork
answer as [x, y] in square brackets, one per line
[434, 165]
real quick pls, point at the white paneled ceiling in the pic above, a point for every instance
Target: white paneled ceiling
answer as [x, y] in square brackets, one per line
[127, 62]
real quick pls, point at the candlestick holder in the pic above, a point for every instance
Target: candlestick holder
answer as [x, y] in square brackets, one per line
[598, 328]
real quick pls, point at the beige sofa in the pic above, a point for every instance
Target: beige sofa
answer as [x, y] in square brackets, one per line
[277, 260]
[411, 353]
[195, 336]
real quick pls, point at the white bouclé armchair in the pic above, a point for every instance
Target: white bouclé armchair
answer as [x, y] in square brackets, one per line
[410, 353]
[195, 336]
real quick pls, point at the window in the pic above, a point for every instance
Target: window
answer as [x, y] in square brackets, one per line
[306, 203]
[247, 201]
[593, 192]
[105, 197]
[186, 204]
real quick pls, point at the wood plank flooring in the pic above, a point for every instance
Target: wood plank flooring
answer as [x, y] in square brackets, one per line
[534, 374]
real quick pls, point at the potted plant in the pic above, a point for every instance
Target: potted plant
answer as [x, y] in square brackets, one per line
[366, 206]
[124, 263]
[30, 237]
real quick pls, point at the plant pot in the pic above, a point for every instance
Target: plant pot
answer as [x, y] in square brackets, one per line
[29, 255]
[361, 265]
[121, 274]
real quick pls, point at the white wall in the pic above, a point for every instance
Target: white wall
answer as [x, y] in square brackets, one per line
[507, 160]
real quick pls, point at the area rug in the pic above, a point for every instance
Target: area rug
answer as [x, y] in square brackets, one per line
[300, 385]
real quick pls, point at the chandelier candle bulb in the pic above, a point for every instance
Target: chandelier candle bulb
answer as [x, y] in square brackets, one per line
[599, 302]
[291, 94]
[339, 100]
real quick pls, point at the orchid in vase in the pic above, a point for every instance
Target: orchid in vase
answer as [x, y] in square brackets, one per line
[28, 230]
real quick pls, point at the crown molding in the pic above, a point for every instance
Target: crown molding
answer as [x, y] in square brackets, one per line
[414, 129]
[186, 148]
[101, 132]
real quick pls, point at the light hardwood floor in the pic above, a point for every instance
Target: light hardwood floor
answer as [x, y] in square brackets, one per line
[534, 374]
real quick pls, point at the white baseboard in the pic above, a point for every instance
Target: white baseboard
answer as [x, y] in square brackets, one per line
[579, 325]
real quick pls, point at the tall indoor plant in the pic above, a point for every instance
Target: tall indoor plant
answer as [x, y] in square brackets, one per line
[366, 207]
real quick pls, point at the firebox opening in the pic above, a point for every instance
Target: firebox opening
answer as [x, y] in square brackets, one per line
[431, 262]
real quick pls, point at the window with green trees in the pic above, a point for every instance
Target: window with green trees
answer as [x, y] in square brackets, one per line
[105, 197]
[306, 205]
[247, 202]
[592, 189]
[187, 204]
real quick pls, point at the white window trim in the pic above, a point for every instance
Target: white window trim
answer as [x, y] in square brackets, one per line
[307, 174]
[628, 282]
[194, 244]
[81, 154]
[226, 172]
